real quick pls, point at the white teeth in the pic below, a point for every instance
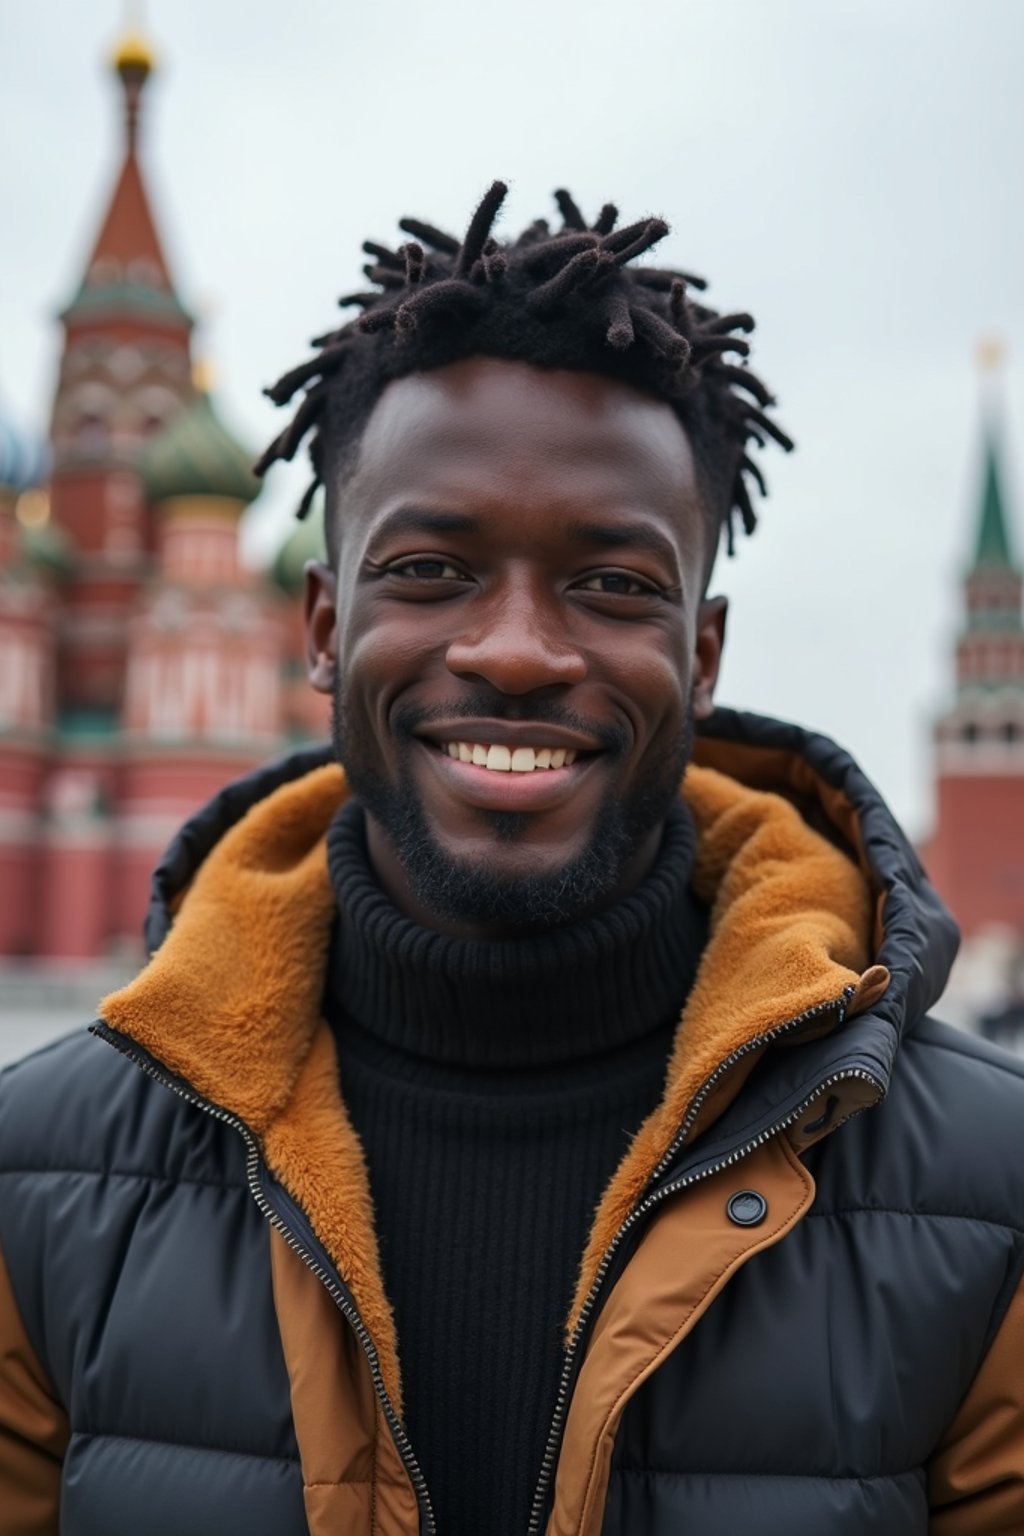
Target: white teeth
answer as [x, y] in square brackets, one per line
[501, 759]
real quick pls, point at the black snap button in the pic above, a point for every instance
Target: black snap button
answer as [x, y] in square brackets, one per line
[748, 1208]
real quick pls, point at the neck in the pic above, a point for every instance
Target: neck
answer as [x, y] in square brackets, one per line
[570, 992]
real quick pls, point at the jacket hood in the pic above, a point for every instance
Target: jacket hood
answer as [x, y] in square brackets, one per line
[914, 935]
[825, 935]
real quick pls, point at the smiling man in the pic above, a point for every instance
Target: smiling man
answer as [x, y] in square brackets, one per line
[529, 1119]
[517, 593]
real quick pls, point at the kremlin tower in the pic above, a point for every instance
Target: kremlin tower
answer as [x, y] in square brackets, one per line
[141, 664]
[975, 855]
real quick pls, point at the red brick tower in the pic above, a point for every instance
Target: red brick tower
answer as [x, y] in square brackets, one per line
[124, 374]
[976, 854]
[202, 701]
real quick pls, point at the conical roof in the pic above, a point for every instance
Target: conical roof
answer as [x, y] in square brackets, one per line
[993, 547]
[197, 456]
[127, 269]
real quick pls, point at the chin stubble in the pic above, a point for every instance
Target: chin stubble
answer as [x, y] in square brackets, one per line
[463, 891]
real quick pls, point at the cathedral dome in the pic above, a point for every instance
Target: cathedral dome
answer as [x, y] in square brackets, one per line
[305, 542]
[197, 456]
[23, 459]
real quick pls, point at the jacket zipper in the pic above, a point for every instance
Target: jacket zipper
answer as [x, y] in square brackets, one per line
[837, 1005]
[351, 1314]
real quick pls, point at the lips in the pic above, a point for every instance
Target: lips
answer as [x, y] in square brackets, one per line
[486, 788]
[510, 733]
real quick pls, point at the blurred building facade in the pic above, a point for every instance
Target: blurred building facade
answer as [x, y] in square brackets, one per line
[975, 854]
[141, 664]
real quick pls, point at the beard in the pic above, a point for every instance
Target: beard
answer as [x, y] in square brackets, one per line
[473, 891]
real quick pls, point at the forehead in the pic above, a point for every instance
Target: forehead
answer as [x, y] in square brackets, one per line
[492, 431]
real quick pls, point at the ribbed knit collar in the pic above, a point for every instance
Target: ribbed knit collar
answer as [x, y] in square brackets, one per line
[575, 992]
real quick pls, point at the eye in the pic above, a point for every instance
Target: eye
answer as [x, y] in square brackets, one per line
[618, 584]
[426, 570]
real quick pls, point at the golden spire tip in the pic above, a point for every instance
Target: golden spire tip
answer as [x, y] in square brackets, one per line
[990, 353]
[133, 53]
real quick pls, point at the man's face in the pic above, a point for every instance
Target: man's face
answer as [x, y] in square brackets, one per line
[520, 578]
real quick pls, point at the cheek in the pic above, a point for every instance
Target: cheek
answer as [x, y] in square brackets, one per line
[381, 655]
[655, 679]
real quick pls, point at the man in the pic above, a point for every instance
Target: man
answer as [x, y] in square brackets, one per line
[531, 1124]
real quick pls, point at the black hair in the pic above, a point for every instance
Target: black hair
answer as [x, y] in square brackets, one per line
[562, 299]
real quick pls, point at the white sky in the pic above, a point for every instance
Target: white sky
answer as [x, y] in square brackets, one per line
[849, 171]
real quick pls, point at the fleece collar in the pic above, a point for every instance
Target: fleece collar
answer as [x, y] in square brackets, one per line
[231, 1000]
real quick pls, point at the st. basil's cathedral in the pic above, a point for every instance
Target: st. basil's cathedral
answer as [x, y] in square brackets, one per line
[142, 665]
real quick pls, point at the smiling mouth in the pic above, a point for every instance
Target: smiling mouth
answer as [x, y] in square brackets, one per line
[498, 758]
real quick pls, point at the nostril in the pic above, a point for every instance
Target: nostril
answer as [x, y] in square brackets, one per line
[516, 664]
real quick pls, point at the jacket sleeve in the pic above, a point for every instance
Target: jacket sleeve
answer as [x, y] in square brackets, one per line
[976, 1477]
[33, 1430]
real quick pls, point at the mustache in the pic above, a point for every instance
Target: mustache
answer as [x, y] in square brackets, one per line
[409, 718]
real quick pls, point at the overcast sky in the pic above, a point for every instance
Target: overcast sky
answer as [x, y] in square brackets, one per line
[849, 171]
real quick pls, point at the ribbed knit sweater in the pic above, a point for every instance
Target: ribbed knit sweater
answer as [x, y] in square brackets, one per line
[495, 1087]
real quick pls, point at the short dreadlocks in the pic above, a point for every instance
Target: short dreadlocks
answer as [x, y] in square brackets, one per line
[563, 299]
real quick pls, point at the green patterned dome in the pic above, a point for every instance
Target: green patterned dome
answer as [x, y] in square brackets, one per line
[305, 542]
[49, 547]
[197, 456]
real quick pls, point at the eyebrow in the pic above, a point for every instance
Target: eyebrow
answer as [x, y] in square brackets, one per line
[626, 536]
[632, 535]
[420, 520]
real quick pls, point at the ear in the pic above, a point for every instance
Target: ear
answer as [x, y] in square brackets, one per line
[707, 654]
[321, 623]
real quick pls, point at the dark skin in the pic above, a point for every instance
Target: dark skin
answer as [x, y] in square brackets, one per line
[530, 541]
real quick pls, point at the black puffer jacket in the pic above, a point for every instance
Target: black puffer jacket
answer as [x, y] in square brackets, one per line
[793, 1316]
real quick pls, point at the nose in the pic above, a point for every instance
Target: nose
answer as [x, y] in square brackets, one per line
[516, 640]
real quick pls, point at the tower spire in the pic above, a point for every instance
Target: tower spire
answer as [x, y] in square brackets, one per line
[993, 549]
[127, 268]
[134, 61]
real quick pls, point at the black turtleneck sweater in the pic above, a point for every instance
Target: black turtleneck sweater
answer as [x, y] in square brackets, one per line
[495, 1087]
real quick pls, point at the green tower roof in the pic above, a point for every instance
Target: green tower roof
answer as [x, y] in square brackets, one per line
[197, 456]
[993, 543]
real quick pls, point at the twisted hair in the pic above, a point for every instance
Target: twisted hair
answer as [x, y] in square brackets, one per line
[558, 299]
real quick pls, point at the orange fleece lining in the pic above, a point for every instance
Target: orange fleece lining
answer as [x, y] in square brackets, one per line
[789, 922]
[231, 1001]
